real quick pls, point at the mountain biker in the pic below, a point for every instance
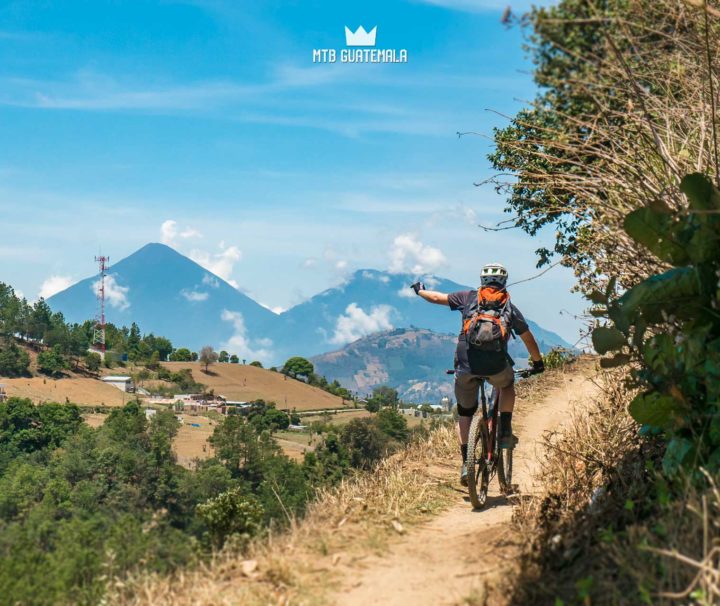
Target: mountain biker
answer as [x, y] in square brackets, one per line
[489, 318]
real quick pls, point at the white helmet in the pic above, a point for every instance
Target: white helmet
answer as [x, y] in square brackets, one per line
[494, 273]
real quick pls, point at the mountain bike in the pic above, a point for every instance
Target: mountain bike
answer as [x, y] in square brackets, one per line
[485, 458]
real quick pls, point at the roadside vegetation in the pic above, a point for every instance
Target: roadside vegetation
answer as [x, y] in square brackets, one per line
[619, 154]
[86, 505]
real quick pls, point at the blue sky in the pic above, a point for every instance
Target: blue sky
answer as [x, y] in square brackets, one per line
[205, 124]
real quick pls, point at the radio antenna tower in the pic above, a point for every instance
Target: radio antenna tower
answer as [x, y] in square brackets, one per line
[99, 332]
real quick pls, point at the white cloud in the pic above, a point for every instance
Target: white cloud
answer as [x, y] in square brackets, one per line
[211, 281]
[356, 323]
[368, 275]
[115, 295]
[195, 296]
[341, 265]
[54, 285]
[309, 262]
[408, 293]
[221, 264]
[409, 255]
[239, 343]
[169, 233]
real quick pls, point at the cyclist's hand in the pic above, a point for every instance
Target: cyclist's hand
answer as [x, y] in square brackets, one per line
[538, 366]
[417, 287]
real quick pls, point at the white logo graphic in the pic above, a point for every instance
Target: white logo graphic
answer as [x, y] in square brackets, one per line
[360, 37]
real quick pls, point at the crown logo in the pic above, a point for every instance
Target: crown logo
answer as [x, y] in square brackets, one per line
[360, 37]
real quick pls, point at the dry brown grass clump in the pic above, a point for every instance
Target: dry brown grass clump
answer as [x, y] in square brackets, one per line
[297, 566]
[604, 529]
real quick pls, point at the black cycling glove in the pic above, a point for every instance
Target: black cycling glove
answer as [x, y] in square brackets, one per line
[417, 287]
[538, 366]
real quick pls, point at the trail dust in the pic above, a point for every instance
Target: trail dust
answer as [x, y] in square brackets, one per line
[451, 557]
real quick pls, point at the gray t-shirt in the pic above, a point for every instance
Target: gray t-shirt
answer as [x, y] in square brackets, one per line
[474, 361]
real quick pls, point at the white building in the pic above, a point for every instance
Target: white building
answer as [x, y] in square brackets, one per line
[122, 382]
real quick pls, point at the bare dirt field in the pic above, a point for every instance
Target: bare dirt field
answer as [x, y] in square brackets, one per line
[82, 391]
[246, 383]
[192, 439]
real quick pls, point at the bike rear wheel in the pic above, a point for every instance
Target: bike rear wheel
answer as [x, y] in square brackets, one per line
[477, 462]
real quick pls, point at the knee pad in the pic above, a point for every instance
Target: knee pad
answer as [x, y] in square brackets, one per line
[466, 412]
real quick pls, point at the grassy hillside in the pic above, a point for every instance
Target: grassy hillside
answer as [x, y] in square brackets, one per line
[78, 390]
[246, 383]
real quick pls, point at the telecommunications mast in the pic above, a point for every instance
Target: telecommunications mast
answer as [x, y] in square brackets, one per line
[99, 332]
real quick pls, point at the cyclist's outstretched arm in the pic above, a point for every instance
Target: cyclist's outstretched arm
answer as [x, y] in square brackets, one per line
[531, 345]
[439, 298]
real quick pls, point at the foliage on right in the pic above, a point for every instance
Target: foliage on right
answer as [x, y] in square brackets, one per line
[670, 322]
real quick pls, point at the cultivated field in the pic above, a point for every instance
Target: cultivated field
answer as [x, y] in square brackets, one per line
[246, 383]
[82, 391]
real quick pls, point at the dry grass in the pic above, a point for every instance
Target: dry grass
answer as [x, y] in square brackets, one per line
[601, 531]
[82, 391]
[247, 383]
[299, 565]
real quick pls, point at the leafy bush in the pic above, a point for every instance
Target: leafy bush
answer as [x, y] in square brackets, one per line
[231, 513]
[14, 361]
[393, 424]
[365, 442]
[558, 357]
[670, 324]
[52, 362]
[93, 361]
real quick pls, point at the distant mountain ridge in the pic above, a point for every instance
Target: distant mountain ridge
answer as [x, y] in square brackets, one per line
[169, 294]
[412, 360]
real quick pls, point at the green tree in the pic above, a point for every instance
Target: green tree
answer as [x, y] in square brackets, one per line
[297, 367]
[365, 443]
[153, 362]
[234, 512]
[223, 357]
[14, 361]
[181, 355]
[93, 361]
[159, 344]
[393, 424]
[52, 362]
[270, 419]
[382, 396]
[234, 359]
[133, 343]
[256, 363]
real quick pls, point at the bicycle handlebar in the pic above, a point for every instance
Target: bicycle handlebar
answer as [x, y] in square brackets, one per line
[523, 373]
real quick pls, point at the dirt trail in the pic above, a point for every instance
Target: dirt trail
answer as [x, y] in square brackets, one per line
[444, 560]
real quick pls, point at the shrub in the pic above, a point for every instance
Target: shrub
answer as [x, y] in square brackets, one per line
[669, 324]
[231, 513]
[365, 443]
[52, 362]
[93, 361]
[14, 361]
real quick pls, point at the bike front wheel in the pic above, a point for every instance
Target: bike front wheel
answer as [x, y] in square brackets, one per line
[504, 469]
[477, 462]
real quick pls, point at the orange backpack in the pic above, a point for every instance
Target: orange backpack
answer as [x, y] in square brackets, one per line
[486, 323]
